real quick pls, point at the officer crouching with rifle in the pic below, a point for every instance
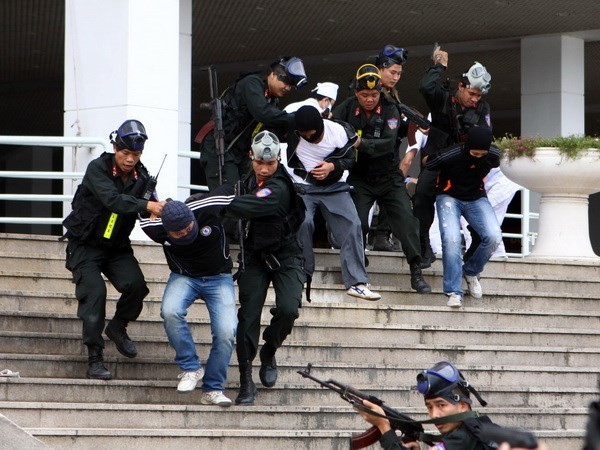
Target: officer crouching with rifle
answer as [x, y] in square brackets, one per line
[274, 213]
[116, 187]
[448, 402]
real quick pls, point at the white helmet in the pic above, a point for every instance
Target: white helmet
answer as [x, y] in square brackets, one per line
[479, 78]
[265, 146]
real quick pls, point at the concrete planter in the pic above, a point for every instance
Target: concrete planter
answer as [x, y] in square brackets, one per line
[565, 185]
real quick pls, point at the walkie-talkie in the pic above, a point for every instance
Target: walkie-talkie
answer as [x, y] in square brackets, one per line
[151, 184]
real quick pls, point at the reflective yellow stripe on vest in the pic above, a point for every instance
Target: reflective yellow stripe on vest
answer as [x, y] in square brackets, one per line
[110, 226]
[359, 134]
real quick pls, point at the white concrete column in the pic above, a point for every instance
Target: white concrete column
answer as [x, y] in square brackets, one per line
[130, 59]
[552, 86]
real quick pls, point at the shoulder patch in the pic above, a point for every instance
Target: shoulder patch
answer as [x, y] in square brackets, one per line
[264, 192]
[392, 123]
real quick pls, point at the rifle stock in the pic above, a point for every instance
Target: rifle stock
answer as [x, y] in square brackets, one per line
[364, 439]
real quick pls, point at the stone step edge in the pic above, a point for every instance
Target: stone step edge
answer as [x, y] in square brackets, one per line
[374, 306]
[233, 246]
[318, 344]
[319, 366]
[285, 386]
[262, 409]
[239, 433]
[345, 325]
[537, 278]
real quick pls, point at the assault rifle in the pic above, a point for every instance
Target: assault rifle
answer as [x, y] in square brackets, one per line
[410, 428]
[413, 115]
[216, 122]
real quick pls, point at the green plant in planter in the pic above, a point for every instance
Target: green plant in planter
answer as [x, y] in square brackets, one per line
[569, 146]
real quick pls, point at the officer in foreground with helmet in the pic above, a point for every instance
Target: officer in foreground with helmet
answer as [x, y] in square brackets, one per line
[446, 393]
[453, 112]
[249, 105]
[273, 212]
[375, 176]
[105, 208]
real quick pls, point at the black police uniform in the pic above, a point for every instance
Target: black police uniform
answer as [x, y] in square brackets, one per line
[391, 96]
[376, 176]
[104, 213]
[272, 254]
[246, 108]
[462, 438]
[450, 124]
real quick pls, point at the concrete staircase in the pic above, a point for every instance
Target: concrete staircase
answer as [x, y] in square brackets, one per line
[531, 346]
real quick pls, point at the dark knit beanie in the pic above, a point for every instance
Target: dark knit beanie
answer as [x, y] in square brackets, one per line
[176, 216]
[480, 138]
[309, 118]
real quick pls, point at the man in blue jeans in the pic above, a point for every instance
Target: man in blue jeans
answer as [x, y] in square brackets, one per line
[197, 252]
[460, 192]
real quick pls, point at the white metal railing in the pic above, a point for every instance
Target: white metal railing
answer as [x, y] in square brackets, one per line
[59, 141]
[526, 236]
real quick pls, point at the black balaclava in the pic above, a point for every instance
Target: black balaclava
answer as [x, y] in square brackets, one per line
[480, 138]
[309, 118]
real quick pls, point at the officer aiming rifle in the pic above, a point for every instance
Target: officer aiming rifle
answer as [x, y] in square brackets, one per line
[459, 425]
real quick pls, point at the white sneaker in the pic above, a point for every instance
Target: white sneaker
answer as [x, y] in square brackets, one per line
[214, 398]
[189, 380]
[454, 300]
[362, 291]
[473, 286]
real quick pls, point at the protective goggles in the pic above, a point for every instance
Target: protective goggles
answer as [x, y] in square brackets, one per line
[132, 135]
[437, 379]
[295, 74]
[391, 55]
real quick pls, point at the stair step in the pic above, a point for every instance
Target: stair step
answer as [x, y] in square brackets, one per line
[102, 415]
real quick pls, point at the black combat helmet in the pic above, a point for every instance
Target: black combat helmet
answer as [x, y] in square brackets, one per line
[391, 55]
[368, 77]
[131, 135]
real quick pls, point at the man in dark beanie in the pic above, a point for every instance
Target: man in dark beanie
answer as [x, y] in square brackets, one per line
[196, 249]
[318, 154]
[460, 192]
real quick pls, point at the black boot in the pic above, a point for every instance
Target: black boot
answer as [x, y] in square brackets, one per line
[382, 242]
[117, 332]
[427, 255]
[96, 367]
[417, 282]
[268, 366]
[247, 387]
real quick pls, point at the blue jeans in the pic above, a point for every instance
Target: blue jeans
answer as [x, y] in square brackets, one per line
[480, 215]
[217, 291]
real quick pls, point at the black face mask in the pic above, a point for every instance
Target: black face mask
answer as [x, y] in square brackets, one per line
[188, 238]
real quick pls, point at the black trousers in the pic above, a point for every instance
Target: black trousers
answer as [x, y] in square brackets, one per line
[390, 192]
[253, 283]
[424, 202]
[122, 269]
